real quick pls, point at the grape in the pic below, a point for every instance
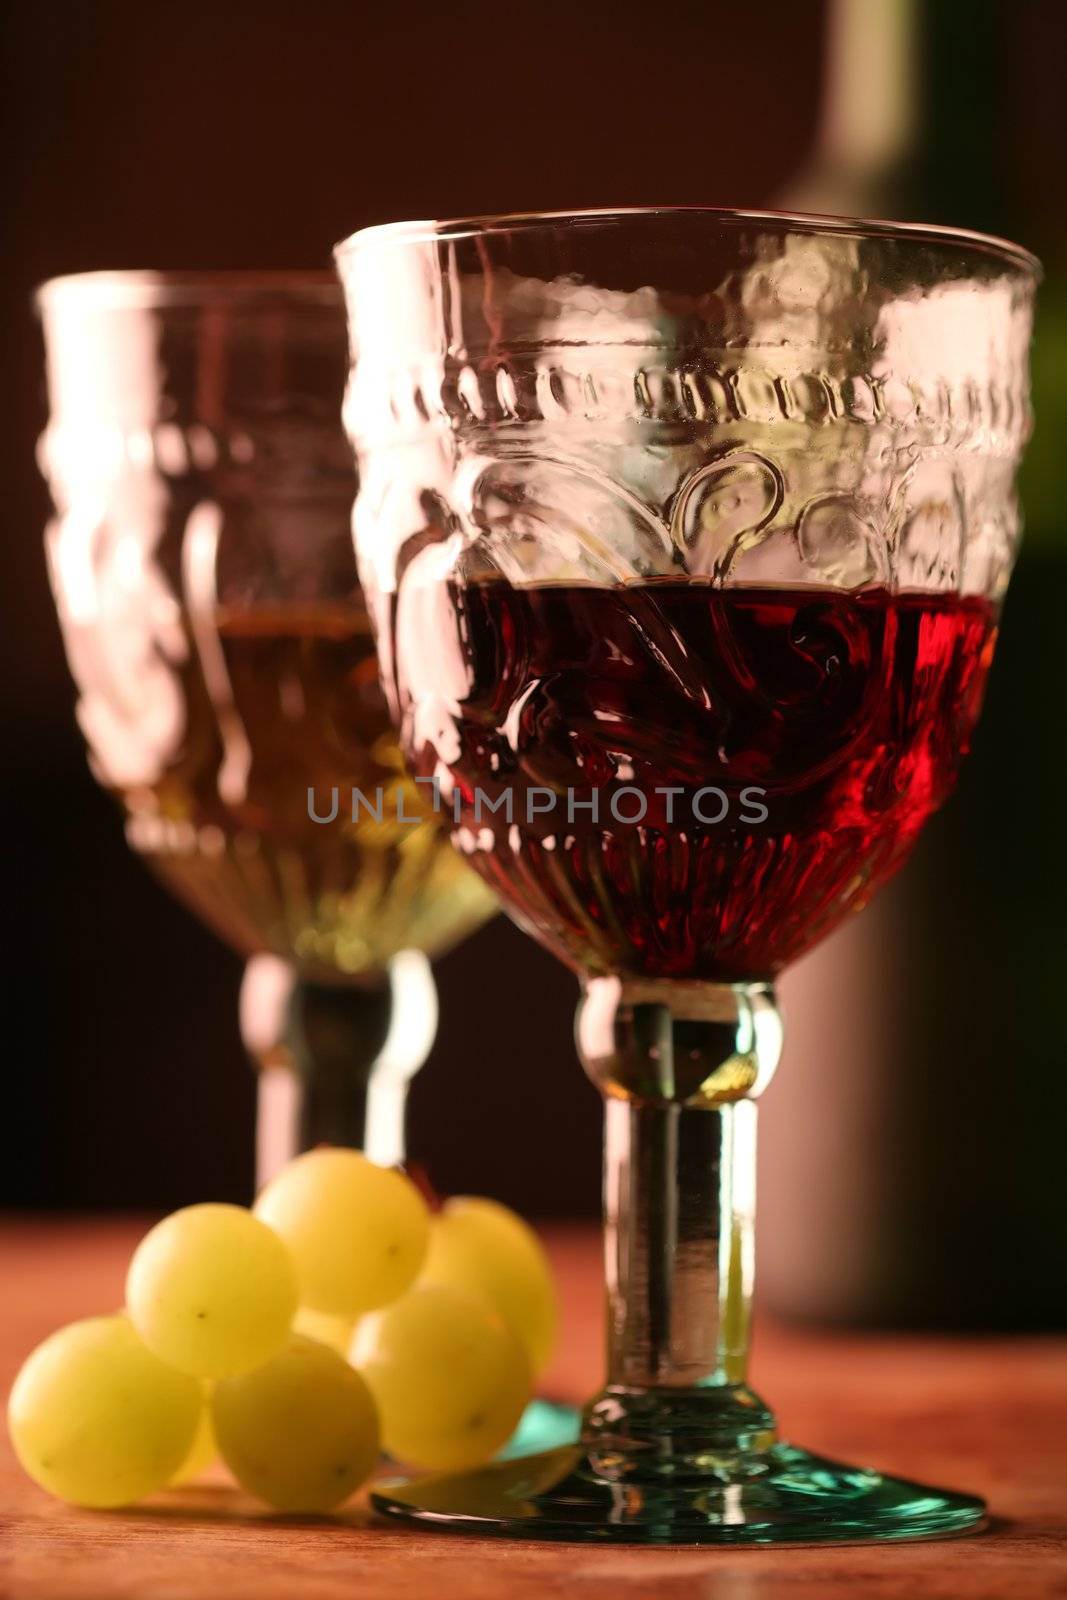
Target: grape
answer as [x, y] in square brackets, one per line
[203, 1452]
[96, 1418]
[356, 1231]
[327, 1329]
[450, 1377]
[212, 1290]
[301, 1431]
[480, 1245]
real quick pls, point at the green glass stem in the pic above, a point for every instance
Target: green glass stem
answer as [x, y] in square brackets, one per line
[676, 1448]
[679, 1067]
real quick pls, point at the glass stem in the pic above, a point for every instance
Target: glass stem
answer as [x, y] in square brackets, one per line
[412, 1030]
[680, 1066]
[679, 1201]
[335, 1060]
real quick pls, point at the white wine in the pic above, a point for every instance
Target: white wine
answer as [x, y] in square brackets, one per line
[284, 716]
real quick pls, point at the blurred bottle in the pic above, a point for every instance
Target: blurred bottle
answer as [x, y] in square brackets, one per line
[911, 1170]
[861, 162]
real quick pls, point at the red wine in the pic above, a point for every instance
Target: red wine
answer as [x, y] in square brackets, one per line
[759, 760]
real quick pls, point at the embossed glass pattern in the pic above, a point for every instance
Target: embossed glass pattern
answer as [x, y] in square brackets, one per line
[684, 534]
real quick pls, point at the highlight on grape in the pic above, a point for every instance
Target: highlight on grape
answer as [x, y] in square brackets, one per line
[288, 1344]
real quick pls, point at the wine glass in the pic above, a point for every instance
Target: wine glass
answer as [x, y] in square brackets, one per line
[202, 564]
[684, 533]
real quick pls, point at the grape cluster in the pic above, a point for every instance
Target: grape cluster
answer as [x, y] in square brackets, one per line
[296, 1341]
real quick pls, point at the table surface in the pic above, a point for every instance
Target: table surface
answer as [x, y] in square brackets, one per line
[986, 1415]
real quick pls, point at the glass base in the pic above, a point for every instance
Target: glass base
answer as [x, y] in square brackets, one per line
[544, 1425]
[784, 1496]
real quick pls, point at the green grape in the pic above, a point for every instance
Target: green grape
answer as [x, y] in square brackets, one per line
[301, 1431]
[450, 1377]
[481, 1245]
[357, 1231]
[327, 1329]
[203, 1452]
[97, 1419]
[212, 1290]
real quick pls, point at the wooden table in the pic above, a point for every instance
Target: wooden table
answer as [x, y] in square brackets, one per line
[987, 1415]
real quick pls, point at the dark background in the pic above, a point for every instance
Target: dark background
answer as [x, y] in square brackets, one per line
[257, 134]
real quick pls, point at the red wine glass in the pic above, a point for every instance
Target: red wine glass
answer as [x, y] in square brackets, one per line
[684, 534]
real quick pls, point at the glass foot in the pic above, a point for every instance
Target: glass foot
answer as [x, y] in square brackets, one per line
[784, 1496]
[543, 1425]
